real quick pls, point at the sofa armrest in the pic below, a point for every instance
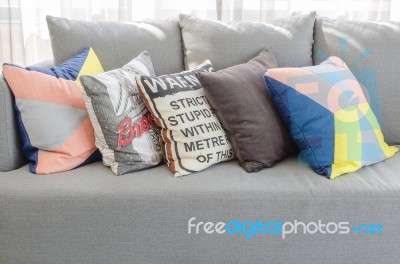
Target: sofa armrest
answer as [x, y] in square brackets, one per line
[11, 156]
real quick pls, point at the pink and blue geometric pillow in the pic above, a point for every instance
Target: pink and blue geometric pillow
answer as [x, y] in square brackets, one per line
[53, 123]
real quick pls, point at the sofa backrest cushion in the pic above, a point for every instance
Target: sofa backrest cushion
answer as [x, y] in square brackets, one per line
[371, 50]
[117, 43]
[289, 39]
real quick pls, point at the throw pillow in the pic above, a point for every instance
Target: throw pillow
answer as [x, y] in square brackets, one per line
[289, 39]
[125, 131]
[193, 138]
[328, 116]
[244, 108]
[51, 115]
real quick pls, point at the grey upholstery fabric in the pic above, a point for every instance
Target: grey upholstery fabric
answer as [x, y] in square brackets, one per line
[117, 43]
[371, 50]
[45, 64]
[289, 39]
[11, 156]
[90, 216]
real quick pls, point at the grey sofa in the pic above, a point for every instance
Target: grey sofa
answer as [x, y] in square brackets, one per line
[87, 215]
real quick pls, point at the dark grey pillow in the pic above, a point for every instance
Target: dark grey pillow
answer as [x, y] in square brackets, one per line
[244, 108]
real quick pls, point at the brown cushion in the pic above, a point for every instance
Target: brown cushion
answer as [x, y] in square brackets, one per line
[244, 108]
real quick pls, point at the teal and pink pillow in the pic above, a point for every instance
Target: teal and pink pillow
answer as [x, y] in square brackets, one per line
[328, 116]
[53, 123]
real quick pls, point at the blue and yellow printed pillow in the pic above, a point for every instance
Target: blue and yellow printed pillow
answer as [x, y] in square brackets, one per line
[328, 116]
[52, 119]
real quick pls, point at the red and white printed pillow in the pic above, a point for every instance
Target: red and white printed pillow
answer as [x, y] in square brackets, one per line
[124, 128]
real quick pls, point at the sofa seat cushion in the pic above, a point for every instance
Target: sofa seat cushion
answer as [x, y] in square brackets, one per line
[89, 216]
[286, 179]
